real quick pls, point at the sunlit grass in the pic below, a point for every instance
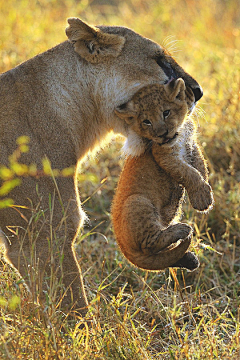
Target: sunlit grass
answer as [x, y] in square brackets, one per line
[141, 315]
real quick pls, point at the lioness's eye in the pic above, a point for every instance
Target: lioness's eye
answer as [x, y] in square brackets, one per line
[147, 122]
[166, 113]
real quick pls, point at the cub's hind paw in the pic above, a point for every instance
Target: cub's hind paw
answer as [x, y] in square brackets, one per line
[173, 233]
[182, 231]
[188, 261]
[168, 238]
[202, 198]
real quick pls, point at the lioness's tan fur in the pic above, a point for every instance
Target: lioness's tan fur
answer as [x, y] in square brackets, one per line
[147, 203]
[64, 100]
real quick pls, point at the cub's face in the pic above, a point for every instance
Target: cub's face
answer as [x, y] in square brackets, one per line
[156, 112]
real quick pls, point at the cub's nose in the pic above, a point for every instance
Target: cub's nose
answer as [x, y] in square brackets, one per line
[162, 133]
[198, 93]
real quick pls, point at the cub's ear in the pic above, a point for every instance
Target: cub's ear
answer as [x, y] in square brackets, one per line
[176, 89]
[127, 111]
[91, 43]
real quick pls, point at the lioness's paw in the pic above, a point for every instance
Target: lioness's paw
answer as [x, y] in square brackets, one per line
[202, 198]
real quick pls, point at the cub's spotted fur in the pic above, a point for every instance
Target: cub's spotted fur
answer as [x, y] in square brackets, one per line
[149, 195]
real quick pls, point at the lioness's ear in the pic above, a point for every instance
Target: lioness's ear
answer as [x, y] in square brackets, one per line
[91, 43]
[127, 111]
[176, 89]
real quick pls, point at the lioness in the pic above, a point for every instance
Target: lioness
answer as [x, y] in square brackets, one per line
[64, 101]
[147, 203]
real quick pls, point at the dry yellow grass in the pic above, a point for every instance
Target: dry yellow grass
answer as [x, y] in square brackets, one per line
[141, 315]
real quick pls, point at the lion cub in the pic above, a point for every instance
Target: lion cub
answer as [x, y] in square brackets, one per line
[148, 199]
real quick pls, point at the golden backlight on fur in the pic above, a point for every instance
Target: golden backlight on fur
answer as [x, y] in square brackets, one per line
[64, 101]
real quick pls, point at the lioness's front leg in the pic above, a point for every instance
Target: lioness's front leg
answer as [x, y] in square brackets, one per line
[50, 273]
[199, 191]
[42, 250]
[69, 272]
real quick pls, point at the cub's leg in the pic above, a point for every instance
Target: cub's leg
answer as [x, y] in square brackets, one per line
[143, 239]
[198, 161]
[199, 191]
[202, 194]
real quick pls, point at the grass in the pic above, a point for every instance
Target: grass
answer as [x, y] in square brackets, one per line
[143, 315]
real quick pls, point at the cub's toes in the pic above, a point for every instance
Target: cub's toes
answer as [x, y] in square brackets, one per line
[202, 199]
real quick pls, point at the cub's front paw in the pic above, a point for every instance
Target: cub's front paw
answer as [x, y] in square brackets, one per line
[202, 198]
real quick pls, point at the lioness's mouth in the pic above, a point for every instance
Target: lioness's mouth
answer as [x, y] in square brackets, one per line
[168, 140]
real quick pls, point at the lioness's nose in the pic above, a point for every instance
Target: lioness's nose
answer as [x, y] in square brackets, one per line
[198, 93]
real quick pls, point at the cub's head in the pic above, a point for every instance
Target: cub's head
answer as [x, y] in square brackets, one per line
[156, 112]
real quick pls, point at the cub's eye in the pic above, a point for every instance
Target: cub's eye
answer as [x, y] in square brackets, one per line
[166, 113]
[147, 122]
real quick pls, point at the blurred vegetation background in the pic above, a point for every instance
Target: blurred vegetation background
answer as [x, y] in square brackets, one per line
[141, 315]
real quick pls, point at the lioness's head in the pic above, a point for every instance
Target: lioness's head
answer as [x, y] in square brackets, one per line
[124, 61]
[116, 62]
[156, 112]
